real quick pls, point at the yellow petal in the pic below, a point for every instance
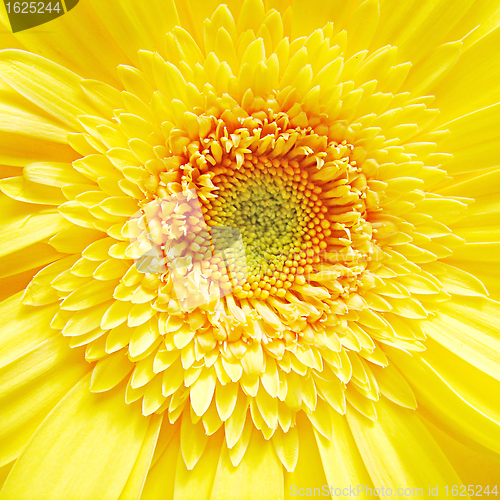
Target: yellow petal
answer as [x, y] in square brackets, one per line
[225, 398]
[443, 405]
[115, 315]
[260, 461]
[394, 386]
[478, 60]
[472, 467]
[153, 397]
[74, 239]
[18, 115]
[197, 483]
[135, 482]
[54, 174]
[361, 26]
[456, 281]
[251, 15]
[19, 150]
[104, 97]
[93, 293]
[320, 418]
[120, 205]
[84, 321]
[46, 84]
[309, 471]
[193, 440]
[23, 225]
[202, 391]
[479, 20]
[237, 452]
[31, 257]
[332, 391]
[360, 401]
[235, 423]
[416, 28]
[79, 447]
[160, 480]
[23, 327]
[341, 458]
[475, 386]
[111, 269]
[472, 135]
[143, 337]
[137, 27]
[433, 68]
[286, 445]
[110, 371]
[82, 53]
[467, 327]
[395, 446]
[11, 285]
[31, 386]
[309, 15]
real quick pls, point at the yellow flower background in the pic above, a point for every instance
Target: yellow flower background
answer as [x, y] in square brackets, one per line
[350, 339]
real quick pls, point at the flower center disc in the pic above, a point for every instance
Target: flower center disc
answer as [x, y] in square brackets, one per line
[272, 208]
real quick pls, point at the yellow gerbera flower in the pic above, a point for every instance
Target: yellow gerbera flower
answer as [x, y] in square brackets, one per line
[247, 250]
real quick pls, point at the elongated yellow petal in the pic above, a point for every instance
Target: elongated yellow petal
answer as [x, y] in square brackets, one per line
[343, 464]
[434, 68]
[309, 471]
[471, 466]
[393, 386]
[136, 27]
[308, 16]
[202, 391]
[23, 327]
[193, 441]
[26, 226]
[110, 371]
[483, 93]
[37, 79]
[74, 239]
[97, 425]
[93, 293]
[445, 404]
[30, 257]
[361, 26]
[469, 331]
[198, 482]
[260, 460]
[54, 174]
[82, 55]
[427, 22]
[135, 483]
[259, 220]
[286, 445]
[31, 386]
[472, 384]
[394, 447]
[18, 115]
[160, 481]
